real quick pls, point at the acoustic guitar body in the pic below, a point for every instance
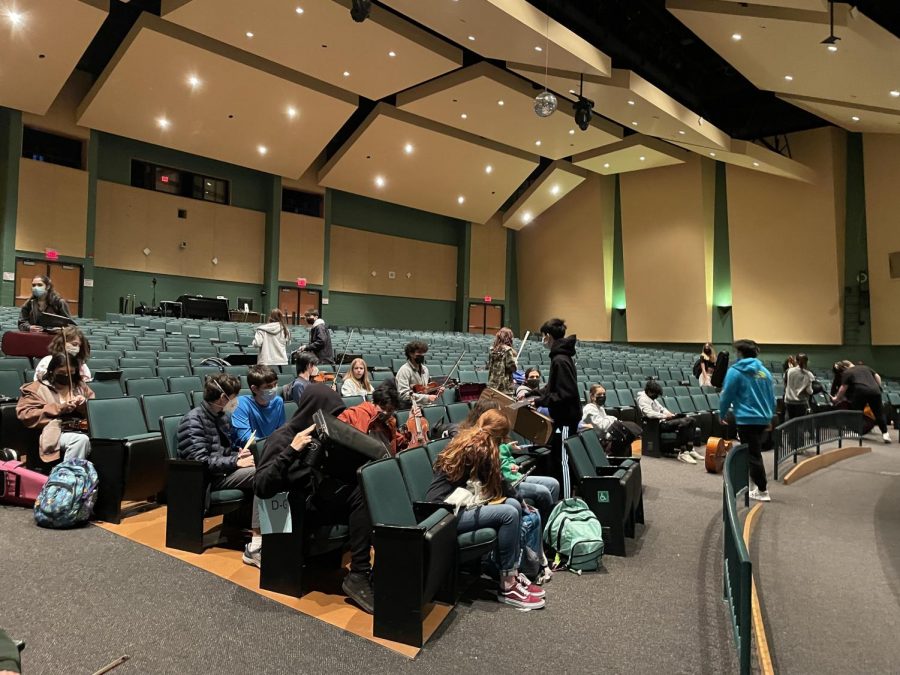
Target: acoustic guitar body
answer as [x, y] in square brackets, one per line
[716, 449]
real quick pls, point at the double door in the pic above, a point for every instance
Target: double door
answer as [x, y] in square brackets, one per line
[295, 302]
[485, 319]
[66, 280]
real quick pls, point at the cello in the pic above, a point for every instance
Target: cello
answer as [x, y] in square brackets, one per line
[716, 449]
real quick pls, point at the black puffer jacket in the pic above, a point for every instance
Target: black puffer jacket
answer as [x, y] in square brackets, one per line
[320, 342]
[561, 396]
[203, 436]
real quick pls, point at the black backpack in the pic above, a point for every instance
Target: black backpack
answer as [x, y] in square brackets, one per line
[718, 376]
[697, 370]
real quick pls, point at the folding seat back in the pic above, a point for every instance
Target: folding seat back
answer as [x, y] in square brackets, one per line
[106, 388]
[145, 386]
[686, 404]
[435, 414]
[457, 412]
[351, 401]
[417, 472]
[137, 373]
[16, 363]
[157, 406]
[700, 402]
[102, 364]
[185, 384]
[10, 381]
[435, 447]
[166, 372]
[148, 354]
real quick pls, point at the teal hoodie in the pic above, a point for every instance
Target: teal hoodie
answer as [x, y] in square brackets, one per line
[749, 386]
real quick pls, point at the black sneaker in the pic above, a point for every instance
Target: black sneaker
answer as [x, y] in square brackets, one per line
[8, 455]
[359, 589]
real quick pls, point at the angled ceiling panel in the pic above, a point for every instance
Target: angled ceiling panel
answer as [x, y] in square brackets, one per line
[635, 153]
[554, 183]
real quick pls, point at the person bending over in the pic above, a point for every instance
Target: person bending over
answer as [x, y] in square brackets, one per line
[798, 381]
[749, 388]
[356, 380]
[57, 405]
[73, 342]
[282, 468]
[307, 368]
[319, 338]
[204, 435]
[472, 456]
[861, 386]
[43, 299]
[261, 413]
[377, 419]
[414, 372]
[650, 407]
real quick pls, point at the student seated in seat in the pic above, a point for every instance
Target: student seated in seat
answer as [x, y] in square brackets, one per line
[594, 415]
[204, 435]
[259, 415]
[307, 368]
[651, 408]
[471, 459]
[57, 405]
[356, 380]
[376, 419]
[72, 342]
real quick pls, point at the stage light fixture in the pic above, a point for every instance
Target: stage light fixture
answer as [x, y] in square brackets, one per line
[359, 11]
[584, 108]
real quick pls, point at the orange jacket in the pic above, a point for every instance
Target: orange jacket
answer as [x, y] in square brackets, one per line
[365, 418]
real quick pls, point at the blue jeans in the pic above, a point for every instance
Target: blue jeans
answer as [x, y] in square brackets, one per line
[543, 491]
[505, 518]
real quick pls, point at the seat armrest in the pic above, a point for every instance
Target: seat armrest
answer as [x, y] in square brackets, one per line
[423, 510]
[619, 460]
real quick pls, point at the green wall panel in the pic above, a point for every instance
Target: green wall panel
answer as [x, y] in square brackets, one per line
[382, 311]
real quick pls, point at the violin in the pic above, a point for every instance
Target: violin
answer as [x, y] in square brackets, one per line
[417, 426]
[323, 377]
[434, 387]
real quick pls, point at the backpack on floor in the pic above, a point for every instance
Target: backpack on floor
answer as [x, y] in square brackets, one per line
[68, 497]
[19, 486]
[574, 532]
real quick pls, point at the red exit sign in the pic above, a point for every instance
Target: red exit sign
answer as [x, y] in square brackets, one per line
[301, 282]
[51, 254]
[487, 298]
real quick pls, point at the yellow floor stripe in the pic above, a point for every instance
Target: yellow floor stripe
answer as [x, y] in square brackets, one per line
[759, 628]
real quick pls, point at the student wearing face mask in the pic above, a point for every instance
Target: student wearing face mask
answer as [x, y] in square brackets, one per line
[531, 386]
[650, 407]
[43, 299]
[73, 342]
[56, 404]
[204, 435]
[414, 372]
[319, 338]
[594, 414]
[260, 414]
[376, 419]
[307, 368]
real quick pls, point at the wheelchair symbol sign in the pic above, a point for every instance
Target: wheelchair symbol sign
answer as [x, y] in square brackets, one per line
[603, 496]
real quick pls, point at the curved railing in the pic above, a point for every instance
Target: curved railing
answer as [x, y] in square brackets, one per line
[811, 431]
[738, 571]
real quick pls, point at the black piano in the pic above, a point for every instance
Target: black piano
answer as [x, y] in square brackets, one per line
[198, 307]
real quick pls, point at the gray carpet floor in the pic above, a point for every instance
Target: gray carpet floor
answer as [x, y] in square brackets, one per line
[82, 598]
[827, 561]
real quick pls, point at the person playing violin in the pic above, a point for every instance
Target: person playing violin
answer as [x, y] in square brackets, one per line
[307, 369]
[377, 420]
[414, 372]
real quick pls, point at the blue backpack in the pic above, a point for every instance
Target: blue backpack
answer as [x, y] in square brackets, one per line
[67, 498]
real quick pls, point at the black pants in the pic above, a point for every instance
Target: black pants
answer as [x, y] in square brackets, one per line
[559, 464]
[348, 505]
[860, 401]
[751, 435]
[682, 426]
[792, 410]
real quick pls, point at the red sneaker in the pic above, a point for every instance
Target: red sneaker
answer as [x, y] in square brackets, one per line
[518, 596]
[533, 589]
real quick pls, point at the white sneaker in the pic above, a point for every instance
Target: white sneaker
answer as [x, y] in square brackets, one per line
[686, 458]
[760, 495]
[696, 455]
[886, 437]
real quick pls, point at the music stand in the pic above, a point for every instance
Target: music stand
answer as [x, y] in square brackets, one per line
[47, 320]
[241, 359]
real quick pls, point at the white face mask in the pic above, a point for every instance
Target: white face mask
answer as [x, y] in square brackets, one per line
[72, 350]
[230, 407]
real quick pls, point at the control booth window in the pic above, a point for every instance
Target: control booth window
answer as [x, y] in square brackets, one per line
[177, 182]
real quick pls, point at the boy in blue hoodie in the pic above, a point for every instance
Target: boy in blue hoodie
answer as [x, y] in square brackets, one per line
[750, 388]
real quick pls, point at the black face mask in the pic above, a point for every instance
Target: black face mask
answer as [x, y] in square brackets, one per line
[653, 397]
[419, 358]
[600, 399]
[63, 380]
[532, 384]
[310, 320]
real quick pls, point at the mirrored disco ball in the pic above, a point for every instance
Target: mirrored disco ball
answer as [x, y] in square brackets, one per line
[544, 104]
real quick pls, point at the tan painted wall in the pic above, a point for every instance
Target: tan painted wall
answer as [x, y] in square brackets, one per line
[130, 219]
[560, 261]
[60, 117]
[487, 260]
[882, 167]
[52, 211]
[301, 248]
[784, 238]
[667, 217]
[355, 254]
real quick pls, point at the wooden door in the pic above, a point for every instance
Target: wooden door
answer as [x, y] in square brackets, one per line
[493, 318]
[289, 303]
[26, 270]
[476, 318]
[310, 300]
[67, 282]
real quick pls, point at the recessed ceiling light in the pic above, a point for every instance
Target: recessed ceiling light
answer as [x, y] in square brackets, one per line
[554, 190]
[488, 169]
[346, 73]
[634, 124]
[299, 10]
[681, 132]
[392, 54]
[291, 112]
[464, 116]
[537, 143]
[193, 81]
[15, 18]
[248, 34]
[895, 93]
[460, 200]
[527, 217]
[538, 48]
[472, 38]
[855, 118]
[755, 163]
[642, 158]
[261, 149]
[163, 123]
[500, 102]
[789, 78]
[606, 165]
[630, 102]
[408, 148]
[832, 48]
[712, 154]
[379, 181]
[737, 37]
[572, 91]
[571, 132]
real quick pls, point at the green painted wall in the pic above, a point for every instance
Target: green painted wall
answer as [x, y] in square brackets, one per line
[512, 283]
[110, 284]
[857, 318]
[382, 311]
[722, 323]
[10, 152]
[619, 327]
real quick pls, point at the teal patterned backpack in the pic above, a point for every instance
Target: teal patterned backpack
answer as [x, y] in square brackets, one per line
[67, 498]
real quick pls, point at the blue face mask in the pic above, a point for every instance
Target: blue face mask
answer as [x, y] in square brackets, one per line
[38, 291]
[268, 395]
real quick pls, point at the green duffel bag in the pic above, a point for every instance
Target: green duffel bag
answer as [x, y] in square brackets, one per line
[574, 533]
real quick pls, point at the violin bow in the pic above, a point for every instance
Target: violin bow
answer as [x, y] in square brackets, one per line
[68, 368]
[522, 346]
[343, 356]
[452, 370]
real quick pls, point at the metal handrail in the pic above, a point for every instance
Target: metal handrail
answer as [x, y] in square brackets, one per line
[802, 433]
[738, 570]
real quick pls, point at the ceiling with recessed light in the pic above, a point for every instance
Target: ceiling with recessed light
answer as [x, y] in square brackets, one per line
[491, 102]
[784, 50]
[553, 183]
[635, 153]
[405, 159]
[41, 41]
[170, 86]
[378, 57]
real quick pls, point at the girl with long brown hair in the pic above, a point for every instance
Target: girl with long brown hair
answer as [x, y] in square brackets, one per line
[272, 339]
[356, 379]
[502, 362]
[472, 461]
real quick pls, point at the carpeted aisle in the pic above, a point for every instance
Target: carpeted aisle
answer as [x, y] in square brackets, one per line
[84, 597]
